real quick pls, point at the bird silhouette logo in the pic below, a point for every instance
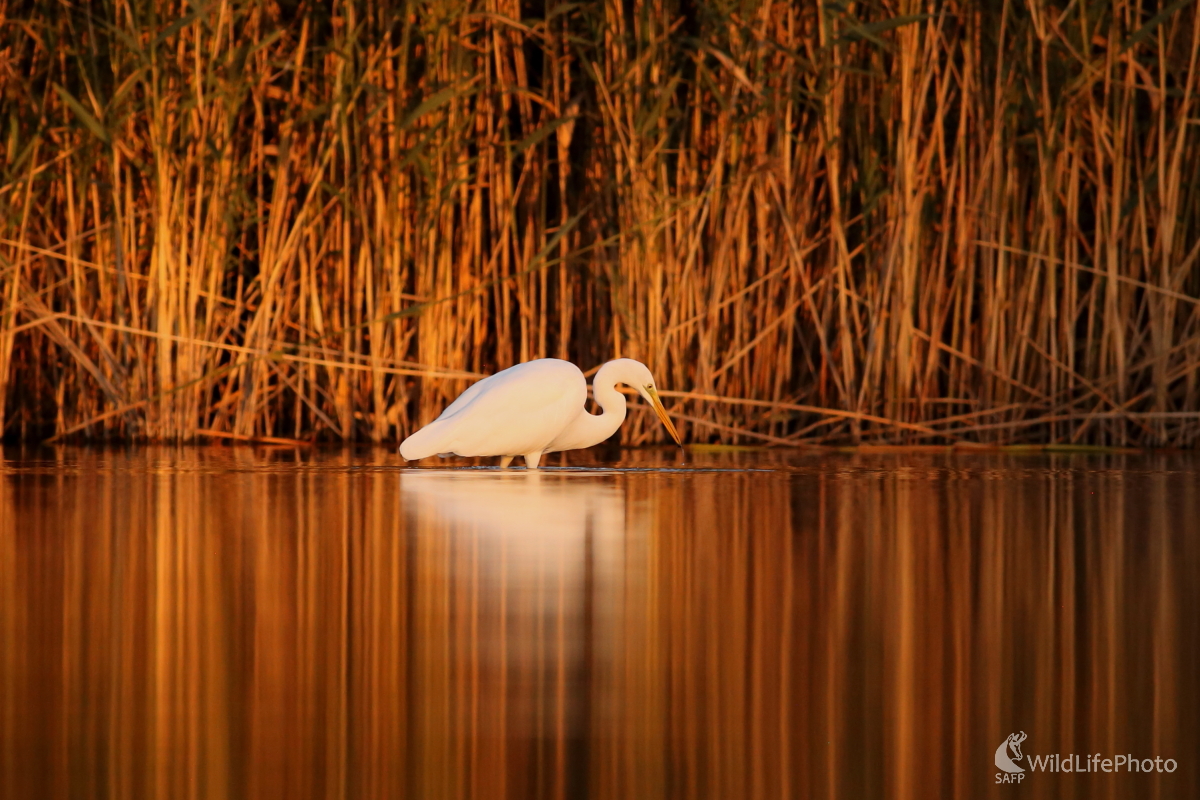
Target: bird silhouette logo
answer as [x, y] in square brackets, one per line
[1013, 743]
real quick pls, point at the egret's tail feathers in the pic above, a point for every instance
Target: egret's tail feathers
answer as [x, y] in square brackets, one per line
[426, 442]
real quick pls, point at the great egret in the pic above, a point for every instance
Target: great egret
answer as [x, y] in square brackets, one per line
[534, 408]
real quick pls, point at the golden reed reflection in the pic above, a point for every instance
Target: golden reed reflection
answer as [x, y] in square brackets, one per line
[222, 623]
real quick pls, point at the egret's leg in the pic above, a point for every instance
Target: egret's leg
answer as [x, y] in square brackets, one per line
[505, 461]
[532, 459]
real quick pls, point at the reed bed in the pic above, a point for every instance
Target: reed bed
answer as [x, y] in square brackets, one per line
[840, 222]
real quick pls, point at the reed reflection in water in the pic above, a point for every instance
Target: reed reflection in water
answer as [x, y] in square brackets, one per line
[212, 623]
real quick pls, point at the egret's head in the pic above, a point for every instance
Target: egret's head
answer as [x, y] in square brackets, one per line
[637, 375]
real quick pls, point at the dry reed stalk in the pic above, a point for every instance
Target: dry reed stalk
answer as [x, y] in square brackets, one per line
[337, 215]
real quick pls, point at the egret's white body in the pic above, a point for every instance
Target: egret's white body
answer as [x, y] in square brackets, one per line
[534, 408]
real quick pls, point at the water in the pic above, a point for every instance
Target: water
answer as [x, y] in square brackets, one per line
[258, 623]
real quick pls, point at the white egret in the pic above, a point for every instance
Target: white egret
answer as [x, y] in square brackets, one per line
[534, 408]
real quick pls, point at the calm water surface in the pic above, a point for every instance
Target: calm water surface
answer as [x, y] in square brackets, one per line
[257, 623]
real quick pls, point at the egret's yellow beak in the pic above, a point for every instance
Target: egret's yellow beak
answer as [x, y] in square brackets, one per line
[662, 414]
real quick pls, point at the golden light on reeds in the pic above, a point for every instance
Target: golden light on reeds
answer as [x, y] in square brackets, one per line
[955, 222]
[198, 623]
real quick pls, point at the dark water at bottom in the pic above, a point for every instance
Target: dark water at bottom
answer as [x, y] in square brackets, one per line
[244, 623]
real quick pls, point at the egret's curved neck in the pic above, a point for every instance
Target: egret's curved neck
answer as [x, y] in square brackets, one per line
[611, 402]
[604, 389]
[589, 429]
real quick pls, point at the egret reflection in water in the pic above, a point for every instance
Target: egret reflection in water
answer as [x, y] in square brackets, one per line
[531, 509]
[550, 536]
[537, 553]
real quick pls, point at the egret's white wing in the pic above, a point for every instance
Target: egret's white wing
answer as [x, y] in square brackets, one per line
[517, 411]
[469, 394]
